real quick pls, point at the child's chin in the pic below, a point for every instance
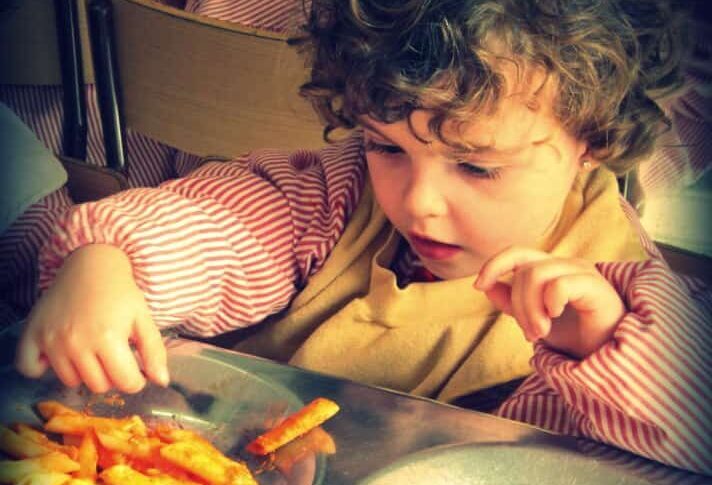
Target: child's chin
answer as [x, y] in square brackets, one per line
[452, 272]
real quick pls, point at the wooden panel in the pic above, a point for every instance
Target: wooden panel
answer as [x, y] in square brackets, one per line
[209, 87]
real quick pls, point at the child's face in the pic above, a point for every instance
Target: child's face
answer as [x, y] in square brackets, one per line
[457, 211]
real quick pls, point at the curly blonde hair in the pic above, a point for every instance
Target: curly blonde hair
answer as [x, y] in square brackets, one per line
[388, 58]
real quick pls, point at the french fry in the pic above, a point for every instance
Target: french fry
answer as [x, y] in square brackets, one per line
[169, 478]
[307, 418]
[205, 461]
[14, 471]
[130, 445]
[78, 424]
[32, 434]
[56, 462]
[170, 434]
[123, 474]
[19, 446]
[160, 468]
[49, 409]
[107, 451]
[88, 457]
[314, 441]
[108, 458]
[47, 478]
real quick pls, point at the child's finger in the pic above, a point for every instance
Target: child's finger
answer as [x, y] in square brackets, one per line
[151, 349]
[500, 295]
[122, 369]
[557, 293]
[597, 304]
[523, 312]
[577, 289]
[506, 262]
[92, 372]
[63, 368]
[29, 359]
[531, 283]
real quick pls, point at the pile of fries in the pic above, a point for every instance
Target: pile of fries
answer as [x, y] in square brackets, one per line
[115, 451]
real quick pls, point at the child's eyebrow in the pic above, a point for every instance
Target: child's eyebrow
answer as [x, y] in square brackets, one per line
[488, 150]
[368, 126]
[491, 150]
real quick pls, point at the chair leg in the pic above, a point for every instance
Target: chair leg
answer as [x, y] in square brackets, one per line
[107, 82]
[74, 127]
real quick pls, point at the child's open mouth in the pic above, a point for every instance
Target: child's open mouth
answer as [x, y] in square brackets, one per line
[430, 249]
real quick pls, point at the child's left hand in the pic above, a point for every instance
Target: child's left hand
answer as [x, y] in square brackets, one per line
[565, 302]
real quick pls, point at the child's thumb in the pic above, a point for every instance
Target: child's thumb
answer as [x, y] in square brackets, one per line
[29, 360]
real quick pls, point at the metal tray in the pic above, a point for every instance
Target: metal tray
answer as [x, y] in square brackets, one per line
[226, 404]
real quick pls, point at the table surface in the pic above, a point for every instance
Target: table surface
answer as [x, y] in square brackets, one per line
[377, 427]
[383, 436]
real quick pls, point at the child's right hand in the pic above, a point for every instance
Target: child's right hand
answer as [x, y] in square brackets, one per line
[83, 326]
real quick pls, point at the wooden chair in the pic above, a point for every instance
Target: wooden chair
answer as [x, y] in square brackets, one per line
[46, 43]
[204, 86]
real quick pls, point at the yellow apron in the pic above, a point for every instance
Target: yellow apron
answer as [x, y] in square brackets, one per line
[437, 339]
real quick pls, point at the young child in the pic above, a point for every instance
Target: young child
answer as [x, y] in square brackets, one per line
[484, 137]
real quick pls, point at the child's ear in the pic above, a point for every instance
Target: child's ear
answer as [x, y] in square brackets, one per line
[587, 163]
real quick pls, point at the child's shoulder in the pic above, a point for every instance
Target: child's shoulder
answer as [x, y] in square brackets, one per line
[342, 157]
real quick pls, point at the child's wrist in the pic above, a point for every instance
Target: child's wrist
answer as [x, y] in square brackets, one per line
[570, 336]
[98, 259]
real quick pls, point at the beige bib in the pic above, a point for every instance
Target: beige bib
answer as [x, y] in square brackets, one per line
[437, 339]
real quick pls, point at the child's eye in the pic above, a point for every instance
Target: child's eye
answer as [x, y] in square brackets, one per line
[372, 146]
[479, 172]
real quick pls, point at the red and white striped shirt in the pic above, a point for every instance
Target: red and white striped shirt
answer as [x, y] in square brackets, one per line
[646, 391]
[233, 242]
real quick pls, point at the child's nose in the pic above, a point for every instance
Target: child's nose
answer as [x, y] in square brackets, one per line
[424, 197]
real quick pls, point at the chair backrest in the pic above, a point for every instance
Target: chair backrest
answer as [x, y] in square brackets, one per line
[29, 52]
[209, 87]
[204, 86]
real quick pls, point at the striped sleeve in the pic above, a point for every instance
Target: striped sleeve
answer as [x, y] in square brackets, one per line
[648, 389]
[229, 244]
[19, 246]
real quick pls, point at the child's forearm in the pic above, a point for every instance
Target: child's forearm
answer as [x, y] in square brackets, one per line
[648, 389]
[228, 245]
[187, 258]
